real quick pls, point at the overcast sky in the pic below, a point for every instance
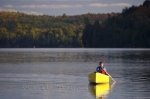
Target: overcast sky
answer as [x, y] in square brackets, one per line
[70, 7]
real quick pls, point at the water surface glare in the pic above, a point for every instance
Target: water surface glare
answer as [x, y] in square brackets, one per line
[63, 73]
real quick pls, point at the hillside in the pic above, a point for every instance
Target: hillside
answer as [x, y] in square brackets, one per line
[22, 30]
[130, 29]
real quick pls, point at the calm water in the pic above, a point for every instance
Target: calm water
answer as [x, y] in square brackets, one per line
[62, 73]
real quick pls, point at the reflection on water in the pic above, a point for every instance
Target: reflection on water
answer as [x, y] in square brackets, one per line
[62, 73]
[101, 91]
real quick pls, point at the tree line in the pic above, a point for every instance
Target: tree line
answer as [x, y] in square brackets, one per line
[130, 29]
[22, 30]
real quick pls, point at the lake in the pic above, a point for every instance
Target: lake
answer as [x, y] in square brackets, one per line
[63, 73]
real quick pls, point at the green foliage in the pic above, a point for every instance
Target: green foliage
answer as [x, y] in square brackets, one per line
[129, 29]
[22, 30]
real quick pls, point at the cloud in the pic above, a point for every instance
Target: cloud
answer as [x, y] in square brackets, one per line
[59, 7]
[43, 6]
[32, 12]
[47, 6]
[69, 5]
[8, 6]
[109, 5]
[8, 9]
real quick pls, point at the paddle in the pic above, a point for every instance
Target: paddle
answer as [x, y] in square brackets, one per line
[110, 77]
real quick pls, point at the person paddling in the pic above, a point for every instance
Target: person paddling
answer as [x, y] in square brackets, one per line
[101, 68]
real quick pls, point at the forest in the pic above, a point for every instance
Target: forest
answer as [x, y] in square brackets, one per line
[19, 30]
[131, 28]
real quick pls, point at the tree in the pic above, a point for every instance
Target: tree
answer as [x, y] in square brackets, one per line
[146, 3]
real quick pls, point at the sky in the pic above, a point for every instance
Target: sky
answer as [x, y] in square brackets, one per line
[69, 7]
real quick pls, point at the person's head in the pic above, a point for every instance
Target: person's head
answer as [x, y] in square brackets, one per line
[100, 63]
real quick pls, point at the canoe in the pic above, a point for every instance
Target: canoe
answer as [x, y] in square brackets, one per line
[98, 78]
[99, 90]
